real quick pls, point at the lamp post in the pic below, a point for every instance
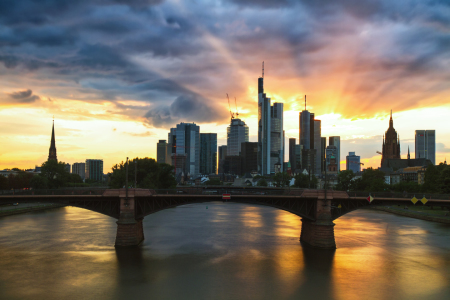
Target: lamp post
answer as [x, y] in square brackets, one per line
[309, 175]
[126, 183]
[135, 173]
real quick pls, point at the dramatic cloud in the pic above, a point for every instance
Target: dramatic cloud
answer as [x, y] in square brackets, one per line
[184, 109]
[24, 96]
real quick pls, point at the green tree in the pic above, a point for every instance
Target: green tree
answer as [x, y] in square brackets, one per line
[55, 172]
[39, 182]
[371, 181]
[344, 179]
[262, 182]
[20, 180]
[281, 179]
[301, 181]
[3, 183]
[213, 181]
[150, 174]
[431, 180]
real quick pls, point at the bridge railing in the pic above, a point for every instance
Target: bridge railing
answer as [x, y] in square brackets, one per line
[65, 191]
[400, 195]
[220, 191]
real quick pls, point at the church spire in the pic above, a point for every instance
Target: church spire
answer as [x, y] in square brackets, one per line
[391, 122]
[409, 156]
[52, 150]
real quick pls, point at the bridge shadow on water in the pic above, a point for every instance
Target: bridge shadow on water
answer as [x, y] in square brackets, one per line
[318, 267]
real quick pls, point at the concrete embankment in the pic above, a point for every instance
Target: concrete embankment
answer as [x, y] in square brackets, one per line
[24, 208]
[413, 214]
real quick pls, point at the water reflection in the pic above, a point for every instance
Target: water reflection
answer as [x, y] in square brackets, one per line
[228, 251]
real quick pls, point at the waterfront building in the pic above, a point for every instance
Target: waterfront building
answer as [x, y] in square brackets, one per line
[331, 151]
[208, 153]
[237, 133]
[161, 152]
[276, 138]
[425, 145]
[52, 150]
[264, 129]
[185, 156]
[353, 162]
[249, 154]
[311, 140]
[292, 160]
[391, 144]
[80, 169]
[323, 149]
[336, 141]
[222, 154]
[94, 169]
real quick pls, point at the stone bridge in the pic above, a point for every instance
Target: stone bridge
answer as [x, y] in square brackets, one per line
[317, 208]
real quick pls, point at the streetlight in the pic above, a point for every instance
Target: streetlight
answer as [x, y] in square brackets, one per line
[126, 183]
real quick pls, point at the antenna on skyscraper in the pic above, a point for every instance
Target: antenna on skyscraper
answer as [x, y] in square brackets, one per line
[229, 106]
[263, 70]
[305, 102]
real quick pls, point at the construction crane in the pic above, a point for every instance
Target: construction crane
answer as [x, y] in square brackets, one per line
[229, 106]
[379, 153]
[235, 103]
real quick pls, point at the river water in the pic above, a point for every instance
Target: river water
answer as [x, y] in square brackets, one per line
[221, 251]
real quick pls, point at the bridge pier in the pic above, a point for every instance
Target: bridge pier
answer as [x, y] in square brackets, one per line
[129, 230]
[320, 233]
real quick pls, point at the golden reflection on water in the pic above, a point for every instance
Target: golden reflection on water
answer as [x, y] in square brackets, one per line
[368, 268]
[251, 216]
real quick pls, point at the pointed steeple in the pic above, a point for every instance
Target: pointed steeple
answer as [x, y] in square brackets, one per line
[391, 122]
[409, 156]
[52, 150]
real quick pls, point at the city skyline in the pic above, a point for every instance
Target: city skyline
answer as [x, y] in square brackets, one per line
[113, 96]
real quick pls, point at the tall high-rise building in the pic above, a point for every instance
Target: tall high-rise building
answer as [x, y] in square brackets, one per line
[249, 154]
[298, 158]
[161, 152]
[264, 129]
[80, 169]
[292, 153]
[331, 150]
[208, 153]
[222, 154]
[323, 148]
[270, 132]
[68, 167]
[94, 169]
[310, 138]
[186, 142]
[318, 146]
[276, 137]
[353, 162]
[425, 145]
[52, 150]
[237, 133]
[391, 144]
[336, 141]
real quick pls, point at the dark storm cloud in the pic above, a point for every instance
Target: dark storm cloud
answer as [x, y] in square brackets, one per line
[184, 54]
[185, 108]
[24, 96]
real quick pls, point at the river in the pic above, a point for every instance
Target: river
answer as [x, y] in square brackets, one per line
[221, 251]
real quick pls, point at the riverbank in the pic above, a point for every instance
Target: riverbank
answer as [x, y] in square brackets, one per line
[12, 210]
[423, 213]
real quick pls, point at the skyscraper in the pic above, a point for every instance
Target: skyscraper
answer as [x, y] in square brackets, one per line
[249, 154]
[222, 154]
[292, 153]
[52, 150]
[391, 145]
[208, 153]
[336, 141]
[94, 169]
[186, 137]
[276, 137]
[264, 129]
[425, 145]
[310, 139]
[323, 148]
[331, 150]
[237, 133]
[80, 169]
[161, 151]
[352, 162]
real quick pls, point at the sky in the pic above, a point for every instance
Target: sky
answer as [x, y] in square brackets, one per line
[117, 74]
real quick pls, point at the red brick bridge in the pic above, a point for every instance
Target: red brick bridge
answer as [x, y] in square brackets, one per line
[317, 208]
